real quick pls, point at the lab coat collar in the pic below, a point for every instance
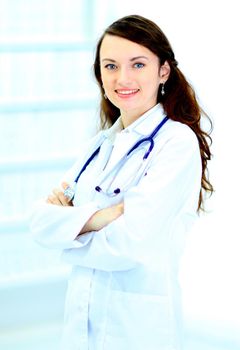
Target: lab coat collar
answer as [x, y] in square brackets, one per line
[148, 121]
[111, 133]
[142, 126]
[129, 136]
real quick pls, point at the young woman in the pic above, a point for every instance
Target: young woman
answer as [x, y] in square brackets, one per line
[125, 207]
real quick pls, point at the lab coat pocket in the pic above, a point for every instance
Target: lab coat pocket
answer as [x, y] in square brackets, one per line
[139, 321]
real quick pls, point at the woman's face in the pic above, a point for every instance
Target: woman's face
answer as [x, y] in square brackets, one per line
[130, 74]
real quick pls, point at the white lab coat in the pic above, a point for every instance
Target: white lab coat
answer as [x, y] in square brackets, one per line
[123, 293]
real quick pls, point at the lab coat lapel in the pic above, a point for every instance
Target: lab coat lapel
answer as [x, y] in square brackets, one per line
[92, 147]
[122, 144]
[127, 138]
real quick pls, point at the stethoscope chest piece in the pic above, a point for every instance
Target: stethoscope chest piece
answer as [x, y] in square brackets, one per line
[69, 193]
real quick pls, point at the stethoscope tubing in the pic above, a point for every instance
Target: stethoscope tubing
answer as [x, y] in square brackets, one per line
[135, 146]
[149, 138]
[69, 192]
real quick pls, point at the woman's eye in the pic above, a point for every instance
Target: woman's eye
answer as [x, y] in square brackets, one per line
[138, 65]
[110, 66]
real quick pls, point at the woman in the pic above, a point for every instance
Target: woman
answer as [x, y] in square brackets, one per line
[134, 201]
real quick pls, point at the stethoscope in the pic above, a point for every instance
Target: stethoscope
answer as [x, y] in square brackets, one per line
[69, 192]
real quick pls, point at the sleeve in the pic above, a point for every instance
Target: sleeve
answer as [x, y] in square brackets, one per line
[152, 209]
[54, 226]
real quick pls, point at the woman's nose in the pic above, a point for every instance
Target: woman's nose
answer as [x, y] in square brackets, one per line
[124, 76]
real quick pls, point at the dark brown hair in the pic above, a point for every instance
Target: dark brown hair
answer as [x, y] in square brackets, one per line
[179, 101]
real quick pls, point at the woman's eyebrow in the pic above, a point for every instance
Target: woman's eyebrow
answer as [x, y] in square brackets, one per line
[108, 59]
[138, 57]
[132, 59]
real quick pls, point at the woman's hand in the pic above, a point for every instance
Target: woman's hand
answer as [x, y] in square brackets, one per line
[57, 197]
[98, 220]
[102, 218]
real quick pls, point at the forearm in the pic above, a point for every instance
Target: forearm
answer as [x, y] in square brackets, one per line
[102, 218]
[97, 221]
[57, 226]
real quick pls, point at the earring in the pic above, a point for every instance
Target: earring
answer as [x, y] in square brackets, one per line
[162, 90]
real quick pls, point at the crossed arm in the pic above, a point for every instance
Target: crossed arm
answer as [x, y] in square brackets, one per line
[98, 220]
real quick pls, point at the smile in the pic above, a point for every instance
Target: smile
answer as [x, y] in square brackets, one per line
[126, 92]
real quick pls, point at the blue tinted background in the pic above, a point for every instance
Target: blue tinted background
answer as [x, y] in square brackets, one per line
[49, 107]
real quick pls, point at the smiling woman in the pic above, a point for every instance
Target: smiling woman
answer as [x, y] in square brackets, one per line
[131, 75]
[123, 211]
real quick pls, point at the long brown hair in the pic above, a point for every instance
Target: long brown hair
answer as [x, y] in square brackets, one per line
[179, 101]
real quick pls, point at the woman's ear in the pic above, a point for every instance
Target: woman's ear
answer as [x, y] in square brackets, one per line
[164, 72]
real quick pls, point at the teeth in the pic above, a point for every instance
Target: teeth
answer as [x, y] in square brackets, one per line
[127, 92]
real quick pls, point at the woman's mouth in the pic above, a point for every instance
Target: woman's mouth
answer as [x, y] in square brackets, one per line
[126, 93]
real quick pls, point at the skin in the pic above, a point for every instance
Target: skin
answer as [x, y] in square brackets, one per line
[98, 220]
[131, 75]
[129, 67]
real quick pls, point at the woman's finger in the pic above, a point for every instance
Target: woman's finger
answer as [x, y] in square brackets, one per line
[52, 199]
[65, 185]
[59, 194]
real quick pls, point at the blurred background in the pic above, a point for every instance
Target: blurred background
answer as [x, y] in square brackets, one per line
[49, 108]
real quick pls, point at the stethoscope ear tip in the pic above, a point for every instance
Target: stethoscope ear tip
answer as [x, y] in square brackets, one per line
[115, 192]
[98, 189]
